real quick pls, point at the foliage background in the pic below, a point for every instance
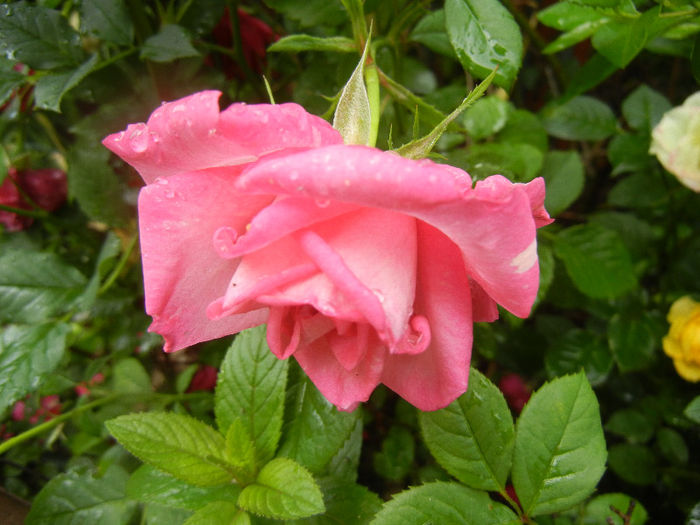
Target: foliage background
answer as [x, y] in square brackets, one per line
[580, 85]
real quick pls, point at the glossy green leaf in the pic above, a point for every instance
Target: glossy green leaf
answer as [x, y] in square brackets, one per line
[473, 437]
[596, 260]
[299, 42]
[28, 354]
[283, 490]
[36, 286]
[444, 503]
[51, 88]
[219, 513]
[150, 485]
[576, 350]
[314, 429]
[559, 453]
[635, 464]
[38, 37]
[108, 20]
[179, 445]
[485, 36]
[68, 499]
[565, 15]
[632, 341]
[581, 118]
[599, 510]
[564, 179]
[251, 386]
[644, 107]
[170, 43]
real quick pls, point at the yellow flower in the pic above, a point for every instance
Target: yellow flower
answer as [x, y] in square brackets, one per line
[682, 343]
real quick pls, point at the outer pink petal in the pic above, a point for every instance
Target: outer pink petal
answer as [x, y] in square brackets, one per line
[182, 271]
[190, 134]
[492, 224]
[436, 377]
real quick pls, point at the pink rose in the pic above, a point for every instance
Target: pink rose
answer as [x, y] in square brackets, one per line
[366, 266]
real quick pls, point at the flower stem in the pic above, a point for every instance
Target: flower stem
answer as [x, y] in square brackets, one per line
[120, 266]
[372, 83]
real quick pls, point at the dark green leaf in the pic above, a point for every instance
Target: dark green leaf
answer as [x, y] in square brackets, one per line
[108, 20]
[639, 190]
[9, 81]
[621, 41]
[634, 232]
[395, 459]
[576, 350]
[635, 464]
[518, 162]
[38, 37]
[692, 411]
[630, 424]
[36, 286]
[632, 341]
[523, 127]
[629, 153]
[443, 503]
[473, 437]
[251, 386]
[559, 447]
[311, 13]
[644, 107]
[431, 32]
[485, 36]
[599, 510]
[695, 59]
[297, 43]
[314, 429]
[74, 498]
[596, 260]
[170, 43]
[283, 490]
[581, 118]
[564, 177]
[672, 446]
[346, 503]
[177, 444]
[28, 354]
[344, 464]
[151, 485]
[593, 72]
[51, 88]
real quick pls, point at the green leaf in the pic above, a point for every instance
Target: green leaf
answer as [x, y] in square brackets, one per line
[283, 490]
[565, 16]
[28, 354]
[523, 127]
[130, 377]
[219, 513]
[672, 446]
[395, 459]
[635, 464]
[240, 451]
[599, 510]
[353, 118]
[170, 43]
[518, 162]
[345, 462]
[300, 42]
[564, 177]
[639, 190]
[485, 36]
[314, 429]
[150, 485]
[692, 411]
[9, 81]
[431, 32]
[486, 117]
[596, 260]
[576, 35]
[108, 20]
[94, 184]
[444, 503]
[632, 341]
[74, 498]
[644, 107]
[311, 13]
[629, 153]
[559, 447]
[592, 73]
[177, 444]
[579, 349]
[630, 424]
[36, 286]
[346, 503]
[38, 37]
[473, 437]
[51, 88]
[155, 514]
[621, 41]
[581, 118]
[251, 386]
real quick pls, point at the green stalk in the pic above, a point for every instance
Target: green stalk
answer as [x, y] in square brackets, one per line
[372, 84]
[119, 268]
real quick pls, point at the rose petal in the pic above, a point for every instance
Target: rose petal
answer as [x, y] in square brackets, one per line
[182, 271]
[434, 378]
[190, 134]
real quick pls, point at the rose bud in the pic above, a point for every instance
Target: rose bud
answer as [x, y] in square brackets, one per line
[203, 379]
[47, 187]
[682, 343]
[515, 390]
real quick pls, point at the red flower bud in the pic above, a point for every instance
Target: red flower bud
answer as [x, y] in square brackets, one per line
[515, 390]
[203, 379]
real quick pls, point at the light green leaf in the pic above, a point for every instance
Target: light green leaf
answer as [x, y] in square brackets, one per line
[692, 411]
[28, 354]
[431, 32]
[177, 444]
[473, 437]
[38, 37]
[486, 117]
[581, 118]
[576, 35]
[621, 41]
[596, 260]
[150, 485]
[108, 20]
[240, 451]
[36, 286]
[559, 452]
[565, 16]
[219, 513]
[170, 43]
[314, 429]
[353, 118]
[485, 36]
[283, 490]
[564, 178]
[299, 42]
[443, 503]
[51, 88]
[74, 498]
[599, 510]
[251, 386]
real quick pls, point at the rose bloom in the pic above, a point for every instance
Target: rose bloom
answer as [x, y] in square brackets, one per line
[682, 343]
[676, 142]
[366, 266]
